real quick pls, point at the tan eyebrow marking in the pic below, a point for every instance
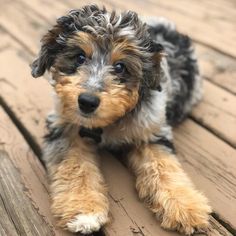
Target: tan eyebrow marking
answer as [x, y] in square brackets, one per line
[83, 40]
[121, 49]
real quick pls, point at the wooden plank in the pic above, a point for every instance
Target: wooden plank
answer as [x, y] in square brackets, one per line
[7, 227]
[12, 17]
[217, 112]
[32, 98]
[20, 210]
[24, 201]
[211, 164]
[217, 68]
[13, 107]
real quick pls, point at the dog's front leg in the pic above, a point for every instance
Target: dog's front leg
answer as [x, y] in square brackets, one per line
[78, 192]
[167, 190]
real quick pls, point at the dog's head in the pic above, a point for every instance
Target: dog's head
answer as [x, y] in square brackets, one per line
[103, 64]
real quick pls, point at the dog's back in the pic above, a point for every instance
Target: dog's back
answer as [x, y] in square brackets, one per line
[185, 82]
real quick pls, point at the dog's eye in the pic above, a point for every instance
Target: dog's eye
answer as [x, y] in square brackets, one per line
[81, 59]
[119, 68]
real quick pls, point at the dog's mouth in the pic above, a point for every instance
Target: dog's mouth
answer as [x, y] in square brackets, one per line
[89, 120]
[86, 115]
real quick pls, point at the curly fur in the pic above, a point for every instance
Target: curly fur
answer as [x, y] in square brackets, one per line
[137, 108]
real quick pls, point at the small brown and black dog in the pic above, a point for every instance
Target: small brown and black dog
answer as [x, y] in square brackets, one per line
[115, 87]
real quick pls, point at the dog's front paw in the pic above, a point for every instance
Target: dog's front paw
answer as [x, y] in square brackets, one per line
[186, 212]
[87, 223]
[84, 214]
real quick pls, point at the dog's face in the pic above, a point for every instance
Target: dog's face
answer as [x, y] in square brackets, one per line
[102, 64]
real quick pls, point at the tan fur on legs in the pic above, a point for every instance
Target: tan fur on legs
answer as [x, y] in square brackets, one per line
[167, 190]
[78, 191]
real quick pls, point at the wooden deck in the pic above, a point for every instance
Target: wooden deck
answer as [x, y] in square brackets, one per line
[206, 141]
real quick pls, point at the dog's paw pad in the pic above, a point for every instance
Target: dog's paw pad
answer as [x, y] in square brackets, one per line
[87, 223]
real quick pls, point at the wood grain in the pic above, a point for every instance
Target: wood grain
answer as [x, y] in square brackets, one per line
[22, 213]
[211, 164]
[217, 68]
[24, 200]
[217, 112]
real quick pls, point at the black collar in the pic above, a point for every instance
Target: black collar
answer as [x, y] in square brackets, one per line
[94, 134]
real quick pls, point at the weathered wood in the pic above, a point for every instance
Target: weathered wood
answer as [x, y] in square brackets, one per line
[24, 216]
[217, 111]
[24, 200]
[28, 118]
[30, 97]
[218, 68]
[217, 229]
[6, 227]
[211, 164]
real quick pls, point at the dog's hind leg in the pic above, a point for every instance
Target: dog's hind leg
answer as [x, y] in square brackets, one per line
[167, 190]
[78, 191]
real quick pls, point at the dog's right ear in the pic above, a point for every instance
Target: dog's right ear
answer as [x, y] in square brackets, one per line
[49, 49]
[55, 40]
[52, 43]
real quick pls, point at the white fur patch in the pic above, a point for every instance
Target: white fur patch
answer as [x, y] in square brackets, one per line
[87, 223]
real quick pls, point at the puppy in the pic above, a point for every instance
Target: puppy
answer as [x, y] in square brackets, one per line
[115, 88]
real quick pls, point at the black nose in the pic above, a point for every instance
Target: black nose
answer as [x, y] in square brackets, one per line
[88, 102]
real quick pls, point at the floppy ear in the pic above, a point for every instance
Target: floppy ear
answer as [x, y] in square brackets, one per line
[52, 43]
[49, 49]
[55, 40]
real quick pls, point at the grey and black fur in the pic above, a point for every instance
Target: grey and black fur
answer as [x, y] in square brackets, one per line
[183, 69]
